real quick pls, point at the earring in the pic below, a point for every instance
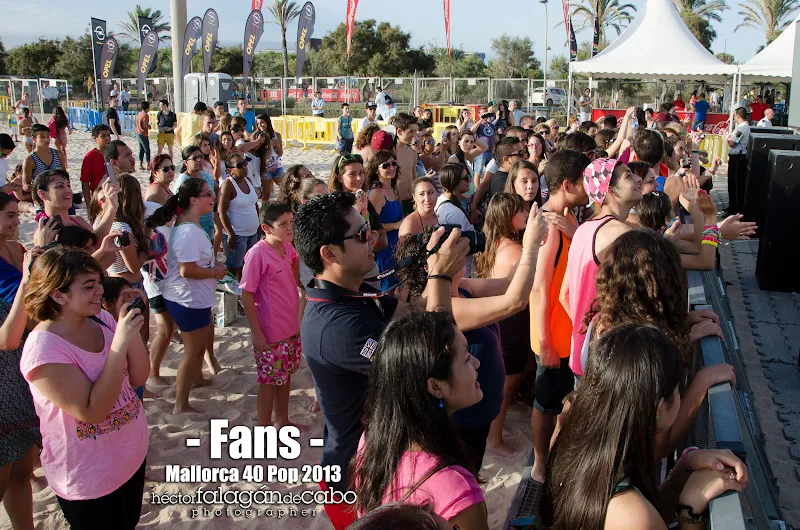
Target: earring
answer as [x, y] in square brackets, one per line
[441, 404]
[658, 417]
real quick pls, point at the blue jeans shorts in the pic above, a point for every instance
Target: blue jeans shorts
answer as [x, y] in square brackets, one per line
[278, 173]
[188, 319]
[234, 259]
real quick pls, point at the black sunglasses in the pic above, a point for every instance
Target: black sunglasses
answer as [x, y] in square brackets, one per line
[361, 236]
[167, 168]
[237, 165]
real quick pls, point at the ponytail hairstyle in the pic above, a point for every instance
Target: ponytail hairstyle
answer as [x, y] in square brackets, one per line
[307, 186]
[288, 192]
[189, 189]
[450, 177]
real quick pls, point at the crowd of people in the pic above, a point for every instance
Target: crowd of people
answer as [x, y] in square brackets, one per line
[424, 282]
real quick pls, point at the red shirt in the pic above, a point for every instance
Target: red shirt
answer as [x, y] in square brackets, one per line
[93, 169]
[679, 104]
[757, 111]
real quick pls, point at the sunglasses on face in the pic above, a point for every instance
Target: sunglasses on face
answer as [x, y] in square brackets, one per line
[195, 158]
[430, 142]
[521, 152]
[387, 165]
[167, 168]
[349, 158]
[361, 236]
[238, 165]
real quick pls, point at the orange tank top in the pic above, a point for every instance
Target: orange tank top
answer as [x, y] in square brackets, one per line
[560, 323]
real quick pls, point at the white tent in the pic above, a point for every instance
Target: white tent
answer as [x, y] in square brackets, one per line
[657, 45]
[773, 63]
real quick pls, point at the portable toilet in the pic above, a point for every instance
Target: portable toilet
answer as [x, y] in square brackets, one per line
[220, 88]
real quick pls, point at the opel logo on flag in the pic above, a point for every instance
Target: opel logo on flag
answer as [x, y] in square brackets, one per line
[99, 33]
[257, 18]
[197, 24]
[111, 45]
[151, 37]
[309, 11]
[211, 17]
[146, 29]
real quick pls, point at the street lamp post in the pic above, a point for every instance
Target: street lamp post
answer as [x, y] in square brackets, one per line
[546, 47]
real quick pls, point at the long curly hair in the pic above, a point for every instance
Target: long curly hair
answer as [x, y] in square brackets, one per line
[414, 276]
[640, 282]
[372, 171]
[499, 225]
[288, 192]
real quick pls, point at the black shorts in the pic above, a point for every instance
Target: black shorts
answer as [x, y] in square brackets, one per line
[552, 386]
[157, 305]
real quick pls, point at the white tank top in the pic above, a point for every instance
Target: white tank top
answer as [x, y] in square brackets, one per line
[242, 210]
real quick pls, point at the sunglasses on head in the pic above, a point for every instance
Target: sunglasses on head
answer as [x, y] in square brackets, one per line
[167, 168]
[237, 165]
[387, 165]
[361, 236]
[344, 159]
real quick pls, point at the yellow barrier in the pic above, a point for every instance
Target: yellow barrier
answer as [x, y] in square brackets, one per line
[82, 103]
[716, 146]
[5, 104]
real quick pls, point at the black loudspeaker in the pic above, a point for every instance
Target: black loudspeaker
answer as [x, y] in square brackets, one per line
[756, 185]
[778, 253]
[771, 130]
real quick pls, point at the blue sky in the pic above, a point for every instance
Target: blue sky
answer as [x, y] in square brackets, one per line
[471, 26]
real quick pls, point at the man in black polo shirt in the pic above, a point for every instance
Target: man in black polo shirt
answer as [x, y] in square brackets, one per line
[341, 327]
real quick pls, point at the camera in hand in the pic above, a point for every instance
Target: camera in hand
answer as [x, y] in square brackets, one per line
[122, 240]
[58, 224]
[487, 115]
[477, 240]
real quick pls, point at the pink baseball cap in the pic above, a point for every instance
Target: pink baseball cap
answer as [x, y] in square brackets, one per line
[381, 141]
[597, 178]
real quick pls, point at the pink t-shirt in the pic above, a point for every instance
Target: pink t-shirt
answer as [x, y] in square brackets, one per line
[582, 268]
[83, 460]
[270, 278]
[450, 490]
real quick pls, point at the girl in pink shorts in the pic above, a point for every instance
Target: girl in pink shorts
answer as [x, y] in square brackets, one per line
[272, 304]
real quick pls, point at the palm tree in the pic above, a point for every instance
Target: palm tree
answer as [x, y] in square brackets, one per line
[130, 28]
[706, 9]
[284, 11]
[611, 13]
[769, 16]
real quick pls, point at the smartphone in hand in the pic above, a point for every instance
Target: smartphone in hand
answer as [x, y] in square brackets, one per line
[112, 175]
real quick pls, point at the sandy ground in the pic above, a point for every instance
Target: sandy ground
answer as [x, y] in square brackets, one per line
[232, 396]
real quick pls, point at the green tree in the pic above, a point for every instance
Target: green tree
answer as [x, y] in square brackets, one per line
[35, 58]
[3, 56]
[700, 27]
[708, 9]
[726, 58]
[283, 13]
[514, 58]
[75, 60]
[377, 50]
[559, 67]
[459, 64]
[612, 15]
[270, 64]
[130, 27]
[769, 16]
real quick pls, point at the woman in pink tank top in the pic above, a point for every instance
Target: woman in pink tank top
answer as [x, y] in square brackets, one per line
[614, 189]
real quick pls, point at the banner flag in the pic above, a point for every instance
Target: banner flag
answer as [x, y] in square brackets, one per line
[257, 5]
[194, 30]
[145, 27]
[596, 41]
[210, 35]
[447, 23]
[108, 58]
[147, 56]
[305, 28]
[573, 43]
[98, 39]
[351, 19]
[252, 33]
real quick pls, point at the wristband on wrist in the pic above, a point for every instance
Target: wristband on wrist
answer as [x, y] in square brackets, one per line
[443, 277]
[684, 461]
[690, 517]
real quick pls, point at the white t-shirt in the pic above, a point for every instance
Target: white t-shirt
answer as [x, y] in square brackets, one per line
[253, 166]
[741, 134]
[366, 122]
[3, 171]
[188, 243]
[491, 167]
[450, 214]
[764, 122]
[154, 271]
[518, 114]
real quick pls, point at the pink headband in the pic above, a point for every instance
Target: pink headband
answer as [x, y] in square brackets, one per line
[597, 178]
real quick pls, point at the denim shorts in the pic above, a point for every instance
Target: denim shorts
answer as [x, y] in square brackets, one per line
[234, 259]
[552, 386]
[278, 173]
[188, 319]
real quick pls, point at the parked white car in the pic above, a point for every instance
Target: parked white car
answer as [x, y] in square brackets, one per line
[555, 97]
